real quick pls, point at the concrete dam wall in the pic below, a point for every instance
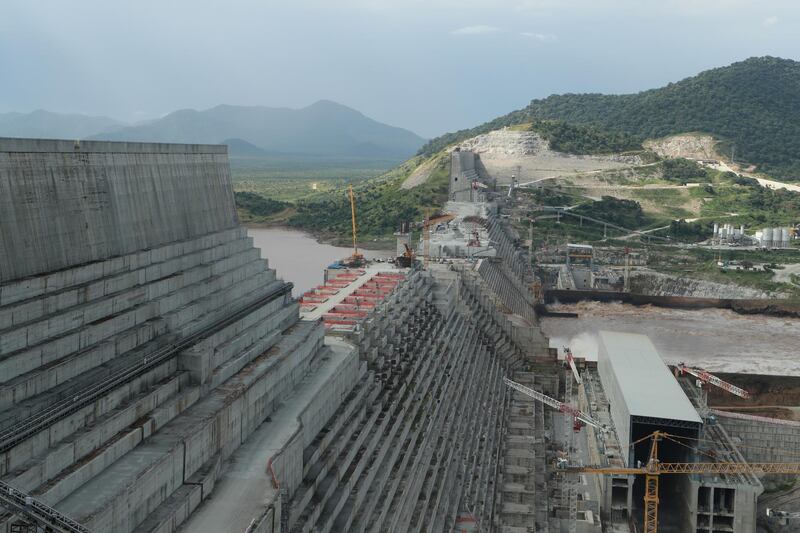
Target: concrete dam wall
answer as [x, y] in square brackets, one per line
[65, 203]
[155, 375]
[142, 337]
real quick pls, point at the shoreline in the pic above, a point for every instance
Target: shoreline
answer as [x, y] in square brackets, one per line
[332, 240]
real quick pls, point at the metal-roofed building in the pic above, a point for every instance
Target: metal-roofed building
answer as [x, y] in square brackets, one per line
[643, 396]
[641, 390]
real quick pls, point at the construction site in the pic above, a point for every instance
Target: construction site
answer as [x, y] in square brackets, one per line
[157, 376]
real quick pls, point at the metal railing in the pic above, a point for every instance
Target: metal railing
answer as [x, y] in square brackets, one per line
[43, 515]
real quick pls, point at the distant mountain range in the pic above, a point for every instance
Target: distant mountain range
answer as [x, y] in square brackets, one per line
[42, 124]
[321, 129]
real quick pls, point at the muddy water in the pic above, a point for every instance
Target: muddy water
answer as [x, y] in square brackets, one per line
[298, 257]
[716, 339]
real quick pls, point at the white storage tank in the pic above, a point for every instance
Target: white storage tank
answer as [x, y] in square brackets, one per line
[785, 237]
[766, 238]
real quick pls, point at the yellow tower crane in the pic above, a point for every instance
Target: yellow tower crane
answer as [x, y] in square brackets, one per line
[654, 468]
[356, 259]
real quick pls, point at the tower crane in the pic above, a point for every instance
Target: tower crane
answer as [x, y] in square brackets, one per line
[707, 377]
[356, 259]
[579, 417]
[654, 468]
[426, 232]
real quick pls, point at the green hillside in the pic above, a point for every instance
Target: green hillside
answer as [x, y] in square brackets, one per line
[753, 104]
[381, 202]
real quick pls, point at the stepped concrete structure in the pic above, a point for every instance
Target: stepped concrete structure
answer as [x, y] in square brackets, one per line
[143, 338]
[156, 376]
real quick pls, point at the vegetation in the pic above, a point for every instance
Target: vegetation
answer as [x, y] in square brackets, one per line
[753, 105]
[256, 206]
[697, 231]
[584, 140]
[625, 213]
[381, 203]
[754, 205]
[683, 171]
[563, 137]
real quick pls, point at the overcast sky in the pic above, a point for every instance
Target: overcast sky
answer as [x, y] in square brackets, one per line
[427, 65]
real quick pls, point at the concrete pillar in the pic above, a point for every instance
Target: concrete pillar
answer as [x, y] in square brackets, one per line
[197, 361]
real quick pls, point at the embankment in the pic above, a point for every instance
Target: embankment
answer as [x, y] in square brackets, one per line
[771, 307]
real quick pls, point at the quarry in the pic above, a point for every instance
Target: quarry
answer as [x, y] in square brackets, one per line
[157, 376]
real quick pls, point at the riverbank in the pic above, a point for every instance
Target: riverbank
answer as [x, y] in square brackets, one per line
[772, 307]
[299, 256]
[331, 239]
[720, 340]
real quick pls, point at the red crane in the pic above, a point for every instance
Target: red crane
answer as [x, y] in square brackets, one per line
[706, 377]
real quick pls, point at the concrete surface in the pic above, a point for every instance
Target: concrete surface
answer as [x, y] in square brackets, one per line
[67, 203]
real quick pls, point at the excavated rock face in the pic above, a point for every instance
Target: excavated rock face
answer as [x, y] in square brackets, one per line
[657, 284]
[507, 142]
[690, 146]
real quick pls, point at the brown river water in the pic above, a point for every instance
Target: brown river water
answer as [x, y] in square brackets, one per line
[298, 257]
[716, 339]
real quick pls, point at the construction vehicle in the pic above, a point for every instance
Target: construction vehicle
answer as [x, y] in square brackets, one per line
[654, 468]
[357, 259]
[407, 258]
[706, 377]
[783, 517]
[426, 232]
[579, 418]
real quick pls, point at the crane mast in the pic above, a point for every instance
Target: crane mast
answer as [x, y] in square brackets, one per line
[654, 468]
[356, 259]
[426, 233]
[707, 377]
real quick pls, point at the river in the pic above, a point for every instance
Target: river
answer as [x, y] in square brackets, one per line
[717, 339]
[298, 257]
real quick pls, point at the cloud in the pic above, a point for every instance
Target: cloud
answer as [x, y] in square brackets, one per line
[769, 21]
[541, 37]
[475, 30]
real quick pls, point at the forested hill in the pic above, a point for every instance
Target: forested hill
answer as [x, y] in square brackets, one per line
[753, 104]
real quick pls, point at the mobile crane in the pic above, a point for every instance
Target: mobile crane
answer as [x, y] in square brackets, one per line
[707, 377]
[654, 468]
